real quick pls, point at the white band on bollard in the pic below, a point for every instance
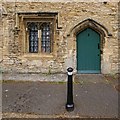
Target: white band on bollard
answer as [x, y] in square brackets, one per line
[70, 73]
[70, 105]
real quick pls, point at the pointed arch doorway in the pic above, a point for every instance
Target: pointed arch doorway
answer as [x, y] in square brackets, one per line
[88, 51]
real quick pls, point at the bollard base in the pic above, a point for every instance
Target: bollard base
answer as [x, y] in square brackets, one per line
[70, 107]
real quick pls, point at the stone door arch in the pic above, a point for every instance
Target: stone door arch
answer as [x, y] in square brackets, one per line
[72, 36]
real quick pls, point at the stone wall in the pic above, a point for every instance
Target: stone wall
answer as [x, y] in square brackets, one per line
[70, 15]
[1, 32]
[119, 37]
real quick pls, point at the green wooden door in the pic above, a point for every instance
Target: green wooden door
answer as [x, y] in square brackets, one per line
[88, 51]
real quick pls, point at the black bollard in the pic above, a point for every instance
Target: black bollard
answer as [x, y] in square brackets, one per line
[70, 104]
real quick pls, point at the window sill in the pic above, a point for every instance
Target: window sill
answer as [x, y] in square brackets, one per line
[37, 55]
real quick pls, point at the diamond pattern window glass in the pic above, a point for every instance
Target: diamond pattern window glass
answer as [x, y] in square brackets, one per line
[33, 37]
[45, 41]
[40, 37]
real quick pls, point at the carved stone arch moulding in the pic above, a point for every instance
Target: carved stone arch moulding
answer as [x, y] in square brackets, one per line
[90, 23]
[101, 29]
[75, 30]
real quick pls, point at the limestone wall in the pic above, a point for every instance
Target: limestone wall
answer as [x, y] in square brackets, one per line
[119, 37]
[70, 14]
[1, 32]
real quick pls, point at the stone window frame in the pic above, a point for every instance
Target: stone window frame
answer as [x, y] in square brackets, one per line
[36, 17]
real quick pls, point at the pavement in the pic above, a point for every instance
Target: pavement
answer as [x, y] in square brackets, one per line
[94, 96]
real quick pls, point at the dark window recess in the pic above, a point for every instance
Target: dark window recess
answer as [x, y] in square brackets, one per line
[46, 37]
[33, 38]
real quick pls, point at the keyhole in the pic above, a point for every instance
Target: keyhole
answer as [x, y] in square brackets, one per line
[88, 34]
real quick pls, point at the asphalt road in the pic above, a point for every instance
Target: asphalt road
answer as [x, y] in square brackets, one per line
[92, 98]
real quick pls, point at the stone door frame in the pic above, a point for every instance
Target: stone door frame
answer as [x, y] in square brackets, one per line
[71, 37]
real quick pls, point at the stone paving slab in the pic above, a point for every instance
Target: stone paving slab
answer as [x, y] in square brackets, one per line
[33, 77]
[91, 99]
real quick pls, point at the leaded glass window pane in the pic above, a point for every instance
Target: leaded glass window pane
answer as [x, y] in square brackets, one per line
[44, 36]
[45, 41]
[33, 37]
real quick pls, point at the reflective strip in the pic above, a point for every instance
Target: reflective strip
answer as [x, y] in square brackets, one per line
[70, 105]
[70, 73]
